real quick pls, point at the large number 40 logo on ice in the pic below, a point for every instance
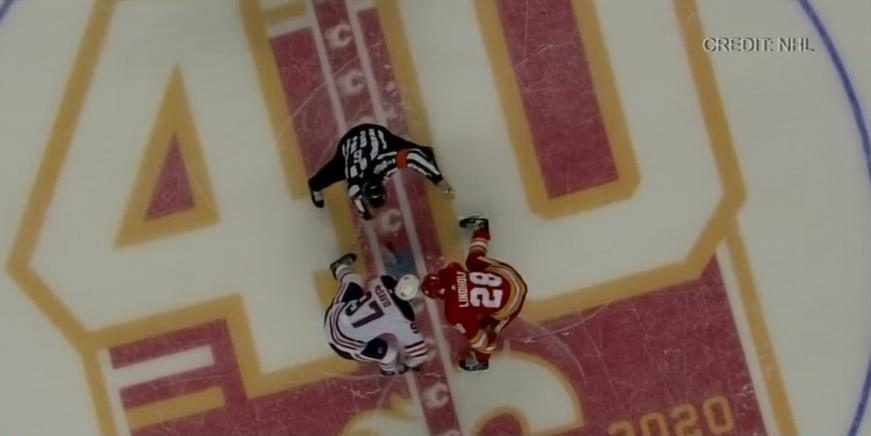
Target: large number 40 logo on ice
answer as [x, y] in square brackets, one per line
[241, 246]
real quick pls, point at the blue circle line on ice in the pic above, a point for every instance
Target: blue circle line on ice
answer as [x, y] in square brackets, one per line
[859, 117]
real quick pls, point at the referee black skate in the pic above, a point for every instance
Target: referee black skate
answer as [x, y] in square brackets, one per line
[366, 156]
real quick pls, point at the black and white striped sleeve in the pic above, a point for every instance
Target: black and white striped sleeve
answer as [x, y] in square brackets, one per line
[355, 193]
[422, 160]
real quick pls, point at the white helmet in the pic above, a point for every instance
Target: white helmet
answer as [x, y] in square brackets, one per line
[407, 287]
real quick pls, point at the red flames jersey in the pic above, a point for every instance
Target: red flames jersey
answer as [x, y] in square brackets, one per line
[473, 298]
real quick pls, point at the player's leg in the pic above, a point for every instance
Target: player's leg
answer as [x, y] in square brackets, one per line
[342, 265]
[478, 359]
[478, 356]
[477, 259]
[351, 285]
[414, 348]
[384, 354]
[481, 342]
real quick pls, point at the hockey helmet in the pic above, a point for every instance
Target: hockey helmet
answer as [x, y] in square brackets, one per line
[374, 194]
[432, 286]
[407, 287]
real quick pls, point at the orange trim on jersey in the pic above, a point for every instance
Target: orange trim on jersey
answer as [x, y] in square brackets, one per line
[516, 291]
[402, 159]
[479, 341]
[478, 246]
[502, 324]
[493, 263]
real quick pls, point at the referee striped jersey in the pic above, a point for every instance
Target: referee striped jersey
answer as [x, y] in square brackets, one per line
[372, 153]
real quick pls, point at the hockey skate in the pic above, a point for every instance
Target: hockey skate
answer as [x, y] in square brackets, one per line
[471, 364]
[401, 369]
[474, 222]
[347, 259]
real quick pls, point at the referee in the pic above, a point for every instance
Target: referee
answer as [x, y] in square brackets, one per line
[366, 156]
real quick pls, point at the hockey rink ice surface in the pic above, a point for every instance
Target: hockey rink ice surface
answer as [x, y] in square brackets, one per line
[693, 224]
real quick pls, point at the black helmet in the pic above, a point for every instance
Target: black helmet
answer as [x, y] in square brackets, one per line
[374, 194]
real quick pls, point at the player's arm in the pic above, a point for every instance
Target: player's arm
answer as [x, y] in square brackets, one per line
[421, 159]
[356, 195]
[332, 172]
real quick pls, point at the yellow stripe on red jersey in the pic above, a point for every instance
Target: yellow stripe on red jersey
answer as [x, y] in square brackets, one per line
[479, 341]
[516, 290]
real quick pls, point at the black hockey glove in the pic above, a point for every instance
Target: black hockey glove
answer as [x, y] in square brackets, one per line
[317, 199]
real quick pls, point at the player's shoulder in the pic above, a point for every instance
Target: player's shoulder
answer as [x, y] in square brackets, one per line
[450, 273]
[384, 282]
[365, 127]
[453, 268]
[388, 281]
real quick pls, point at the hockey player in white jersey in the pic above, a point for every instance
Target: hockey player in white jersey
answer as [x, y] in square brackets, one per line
[374, 322]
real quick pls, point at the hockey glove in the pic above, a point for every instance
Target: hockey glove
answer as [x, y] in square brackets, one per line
[318, 199]
[446, 188]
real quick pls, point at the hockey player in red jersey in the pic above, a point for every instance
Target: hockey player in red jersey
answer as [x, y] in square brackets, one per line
[480, 299]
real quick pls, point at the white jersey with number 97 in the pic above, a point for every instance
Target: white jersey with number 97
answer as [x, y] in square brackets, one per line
[350, 325]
